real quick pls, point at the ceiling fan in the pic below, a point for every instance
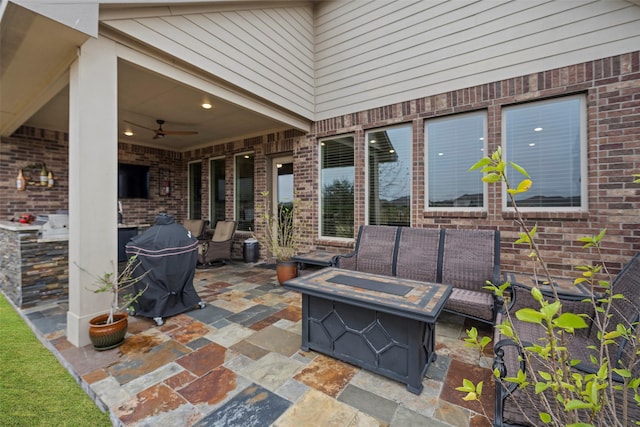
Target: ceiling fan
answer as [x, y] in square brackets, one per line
[160, 133]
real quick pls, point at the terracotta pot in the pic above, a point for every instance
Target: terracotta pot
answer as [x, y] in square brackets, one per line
[106, 336]
[286, 270]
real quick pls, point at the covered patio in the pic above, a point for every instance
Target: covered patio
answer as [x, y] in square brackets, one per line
[238, 362]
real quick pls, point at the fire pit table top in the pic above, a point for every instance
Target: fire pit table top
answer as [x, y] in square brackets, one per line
[410, 298]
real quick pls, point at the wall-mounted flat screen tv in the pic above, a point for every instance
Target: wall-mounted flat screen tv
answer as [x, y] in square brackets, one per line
[133, 181]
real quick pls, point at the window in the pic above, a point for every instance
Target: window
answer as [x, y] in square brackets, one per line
[337, 176]
[453, 145]
[195, 190]
[244, 191]
[217, 188]
[389, 156]
[547, 139]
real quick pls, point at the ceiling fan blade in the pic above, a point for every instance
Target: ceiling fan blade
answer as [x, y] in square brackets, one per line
[179, 132]
[140, 126]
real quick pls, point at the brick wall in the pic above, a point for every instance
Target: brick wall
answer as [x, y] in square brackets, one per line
[29, 146]
[612, 86]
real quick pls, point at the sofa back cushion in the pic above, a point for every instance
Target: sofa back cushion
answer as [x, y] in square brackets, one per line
[470, 258]
[375, 249]
[417, 256]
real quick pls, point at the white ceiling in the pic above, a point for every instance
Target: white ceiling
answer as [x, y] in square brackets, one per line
[144, 97]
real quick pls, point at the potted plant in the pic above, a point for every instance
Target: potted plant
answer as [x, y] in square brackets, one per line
[109, 330]
[283, 229]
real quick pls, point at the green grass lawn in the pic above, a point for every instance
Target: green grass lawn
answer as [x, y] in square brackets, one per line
[35, 390]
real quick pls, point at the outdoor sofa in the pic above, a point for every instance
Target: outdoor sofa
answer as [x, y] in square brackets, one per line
[512, 403]
[464, 259]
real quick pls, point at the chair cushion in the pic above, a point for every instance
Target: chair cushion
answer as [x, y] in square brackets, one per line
[195, 226]
[224, 231]
[472, 303]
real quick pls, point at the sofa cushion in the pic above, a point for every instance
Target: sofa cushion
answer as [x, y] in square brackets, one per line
[471, 303]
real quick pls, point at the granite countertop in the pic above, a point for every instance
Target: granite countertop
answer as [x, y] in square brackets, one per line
[16, 226]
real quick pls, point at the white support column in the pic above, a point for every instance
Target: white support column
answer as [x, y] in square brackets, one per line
[93, 159]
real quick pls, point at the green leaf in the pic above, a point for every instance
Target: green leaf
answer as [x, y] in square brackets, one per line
[480, 163]
[529, 315]
[540, 387]
[550, 310]
[624, 373]
[570, 320]
[545, 417]
[519, 169]
[490, 178]
[574, 404]
[545, 375]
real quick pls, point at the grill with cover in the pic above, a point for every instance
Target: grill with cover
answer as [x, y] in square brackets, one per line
[169, 253]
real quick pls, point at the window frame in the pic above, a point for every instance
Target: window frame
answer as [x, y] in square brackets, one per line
[367, 190]
[485, 187]
[235, 188]
[320, 183]
[189, 191]
[584, 177]
[213, 202]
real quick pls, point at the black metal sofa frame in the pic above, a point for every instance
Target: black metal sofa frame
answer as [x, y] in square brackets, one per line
[511, 403]
[464, 259]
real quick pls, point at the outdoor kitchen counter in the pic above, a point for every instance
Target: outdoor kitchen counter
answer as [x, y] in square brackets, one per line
[16, 226]
[19, 227]
[33, 270]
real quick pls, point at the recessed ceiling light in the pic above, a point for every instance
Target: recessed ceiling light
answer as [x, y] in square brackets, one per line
[392, 151]
[538, 129]
[532, 144]
[206, 106]
[373, 141]
[440, 154]
[246, 156]
[128, 132]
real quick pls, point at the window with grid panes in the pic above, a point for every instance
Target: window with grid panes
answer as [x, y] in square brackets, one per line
[453, 145]
[337, 177]
[548, 140]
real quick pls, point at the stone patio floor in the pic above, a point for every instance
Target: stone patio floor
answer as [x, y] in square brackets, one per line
[237, 362]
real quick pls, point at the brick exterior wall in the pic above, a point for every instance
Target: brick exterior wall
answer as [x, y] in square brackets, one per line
[612, 86]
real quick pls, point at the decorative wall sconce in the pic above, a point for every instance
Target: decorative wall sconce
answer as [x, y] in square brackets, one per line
[164, 182]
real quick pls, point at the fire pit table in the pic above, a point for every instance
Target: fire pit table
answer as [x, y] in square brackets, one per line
[383, 324]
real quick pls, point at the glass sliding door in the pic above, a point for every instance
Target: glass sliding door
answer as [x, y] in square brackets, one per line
[244, 191]
[217, 191]
[195, 190]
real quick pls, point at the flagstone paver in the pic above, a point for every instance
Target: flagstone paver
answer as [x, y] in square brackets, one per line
[238, 362]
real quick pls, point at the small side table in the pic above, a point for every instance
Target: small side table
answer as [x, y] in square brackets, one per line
[563, 285]
[319, 258]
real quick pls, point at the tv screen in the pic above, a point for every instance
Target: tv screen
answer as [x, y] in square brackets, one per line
[133, 181]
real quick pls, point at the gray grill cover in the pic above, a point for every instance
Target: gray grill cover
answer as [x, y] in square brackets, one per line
[169, 253]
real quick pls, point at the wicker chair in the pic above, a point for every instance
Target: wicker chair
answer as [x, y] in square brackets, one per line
[219, 247]
[512, 403]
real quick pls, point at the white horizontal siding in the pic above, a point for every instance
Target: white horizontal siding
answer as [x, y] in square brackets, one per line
[267, 51]
[375, 53]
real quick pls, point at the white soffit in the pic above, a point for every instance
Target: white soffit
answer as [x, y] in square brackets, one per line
[35, 54]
